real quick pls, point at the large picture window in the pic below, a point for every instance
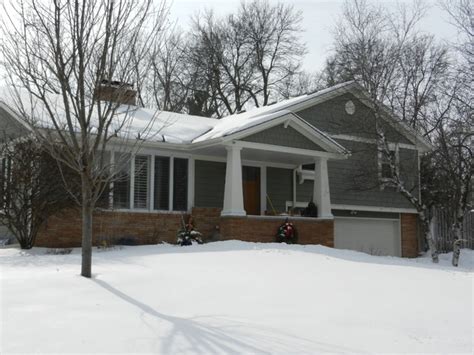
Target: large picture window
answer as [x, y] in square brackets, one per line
[156, 182]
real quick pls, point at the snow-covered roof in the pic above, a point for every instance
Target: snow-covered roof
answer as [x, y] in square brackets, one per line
[170, 127]
[238, 122]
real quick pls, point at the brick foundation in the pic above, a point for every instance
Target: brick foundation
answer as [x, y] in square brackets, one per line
[64, 230]
[409, 234]
[264, 228]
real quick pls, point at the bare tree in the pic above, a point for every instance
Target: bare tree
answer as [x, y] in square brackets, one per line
[168, 82]
[231, 55]
[274, 34]
[57, 55]
[456, 134]
[31, 188]
[246, 58]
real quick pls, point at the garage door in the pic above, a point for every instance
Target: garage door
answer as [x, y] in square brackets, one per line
[370, 235]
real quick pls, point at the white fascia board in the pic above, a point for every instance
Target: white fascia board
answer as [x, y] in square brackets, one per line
[290, 150]
[373, 208]
[15, 116]
[348, 137]
[318, 97]
[279, 118]
[324, 139]
[301, 126]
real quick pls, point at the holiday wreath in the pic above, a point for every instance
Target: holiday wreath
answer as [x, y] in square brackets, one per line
[286, 233]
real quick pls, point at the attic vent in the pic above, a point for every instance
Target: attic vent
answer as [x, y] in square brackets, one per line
[350, 107]
[116, 91]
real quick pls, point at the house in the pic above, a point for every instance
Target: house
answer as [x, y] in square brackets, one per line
[246, 172]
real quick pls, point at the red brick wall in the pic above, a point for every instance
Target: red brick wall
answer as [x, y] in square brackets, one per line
[64, 230]
[409, 234]
[263, 229]
[206, 219]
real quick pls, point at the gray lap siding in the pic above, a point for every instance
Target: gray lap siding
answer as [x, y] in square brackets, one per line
[287, 137]
[331, 117]
[354, 181]
[279, 188]
[209, 183]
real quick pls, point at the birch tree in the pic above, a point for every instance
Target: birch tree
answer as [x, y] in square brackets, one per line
[57, 54]
[400, 69]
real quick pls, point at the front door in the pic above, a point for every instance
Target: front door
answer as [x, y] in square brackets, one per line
[251, 187]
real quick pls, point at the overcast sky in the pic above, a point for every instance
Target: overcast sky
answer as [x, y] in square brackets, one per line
[319, 17]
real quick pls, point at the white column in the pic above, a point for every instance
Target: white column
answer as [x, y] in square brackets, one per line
[151, 177]
[191, 175]
[233, 192]
[263, 189]
[132, 182]
[321, 196]
[171, 187]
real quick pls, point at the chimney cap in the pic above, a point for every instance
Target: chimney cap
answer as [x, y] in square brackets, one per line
[115, 83]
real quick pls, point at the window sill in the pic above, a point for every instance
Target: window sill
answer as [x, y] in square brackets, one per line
[123, 210]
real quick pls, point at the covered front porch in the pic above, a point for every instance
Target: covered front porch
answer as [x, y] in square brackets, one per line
[245, 188]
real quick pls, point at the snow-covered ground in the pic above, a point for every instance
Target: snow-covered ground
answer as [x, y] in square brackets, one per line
[234, 297]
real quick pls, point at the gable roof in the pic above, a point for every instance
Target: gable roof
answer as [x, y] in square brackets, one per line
[183, 129]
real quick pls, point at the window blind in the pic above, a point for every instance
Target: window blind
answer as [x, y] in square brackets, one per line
[162, 183]
[122, 181]
[142, 172]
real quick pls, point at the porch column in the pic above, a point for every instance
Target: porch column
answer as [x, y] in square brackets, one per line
[233, 192]
[321, 196]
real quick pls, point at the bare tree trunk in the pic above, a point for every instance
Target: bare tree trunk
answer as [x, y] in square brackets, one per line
[457, 242]
[86, 227]
[428, 236]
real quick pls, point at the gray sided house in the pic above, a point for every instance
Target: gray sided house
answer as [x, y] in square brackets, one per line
[247, 172]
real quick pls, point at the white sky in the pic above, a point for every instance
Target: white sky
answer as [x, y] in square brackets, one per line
[319, 17]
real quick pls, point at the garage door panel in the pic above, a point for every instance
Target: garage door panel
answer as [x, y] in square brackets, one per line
[372, 236]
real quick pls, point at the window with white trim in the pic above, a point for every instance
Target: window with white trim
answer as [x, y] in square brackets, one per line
[141, 182]
[162, 183]
[385, 159]
[180, 184]
[121, 185]
[152, 182]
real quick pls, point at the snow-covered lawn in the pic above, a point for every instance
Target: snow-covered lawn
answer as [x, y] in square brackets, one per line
[234, 297]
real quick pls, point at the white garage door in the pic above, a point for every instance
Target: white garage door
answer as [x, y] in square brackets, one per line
[372, 236]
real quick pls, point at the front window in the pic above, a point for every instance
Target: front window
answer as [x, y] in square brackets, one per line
[162, 183]
[385, 161]
[121, 185]
[180, 184]
[141, 182]
[151, 182]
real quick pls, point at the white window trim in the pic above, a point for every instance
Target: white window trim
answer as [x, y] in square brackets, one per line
[380, 161]
[132, 182]
[151, 154]
[151, 186]
[171, 185]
